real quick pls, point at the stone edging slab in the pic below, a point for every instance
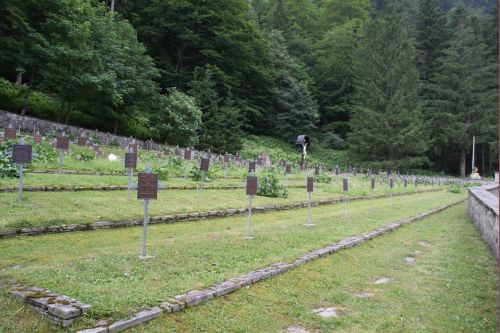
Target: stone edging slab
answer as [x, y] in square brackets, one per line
[196, 297]
[194, 216]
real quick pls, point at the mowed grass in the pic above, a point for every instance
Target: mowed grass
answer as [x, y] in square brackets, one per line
[451, 288]
[103, 268]
[42, 209]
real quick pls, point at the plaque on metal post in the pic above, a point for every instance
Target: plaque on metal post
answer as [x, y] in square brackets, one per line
[337, 170]
[62, 142]
[147, 186]
[187, 154]
[310, 184]
[38, 138]
[391, 183]
[209, 154]
[204, 164]
[406, 183]
[21, 154]
[130, 160]
[10, 133]
[251, 166]
[226, 158]
[251, 185]
[345, 185]
[316, 170]
[82, 141]
[373, 183]
[288, 168]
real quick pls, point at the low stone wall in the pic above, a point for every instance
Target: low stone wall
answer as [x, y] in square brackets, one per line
[483, 209]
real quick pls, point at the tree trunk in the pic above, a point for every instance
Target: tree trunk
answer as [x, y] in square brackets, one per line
[462, 163]
[28, 92]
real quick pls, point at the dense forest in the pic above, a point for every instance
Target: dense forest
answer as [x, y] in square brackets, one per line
[398, 83]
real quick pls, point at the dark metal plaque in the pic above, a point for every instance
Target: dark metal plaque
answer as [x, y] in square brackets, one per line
[38, 138]
[62, 142]
[133, 147]
[187, 154]
[316, 170]
[345, 185]
[82, 141]
[406, 182]
[336, 171]
[251, 185]
[148, 186]
[251, 166]
[21, 154]
[288, 169]
[130, 160]
[209, 155]
[204, 164]
[10, 133]
[373, 183]
[391, 183]
[310, 184]
[226, 158]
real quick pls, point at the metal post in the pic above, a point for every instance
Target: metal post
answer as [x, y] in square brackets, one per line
[249, 217]
[286, 177]
[473, 153]
[309, 210]
[61, 162]
[202, 181]
[145, 227]
[345, 206]
[21, 169]
[129, 182]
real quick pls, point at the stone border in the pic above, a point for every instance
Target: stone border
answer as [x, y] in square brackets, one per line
[58, 309]
[121, 188]
[196, 297]
[482, 208]
[194, 216]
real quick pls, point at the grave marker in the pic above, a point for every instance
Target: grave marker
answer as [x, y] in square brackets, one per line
[21, 155]
[251, 167]
[310, 189]
[316, 170]
[130, 165]
[147, 189]
[204, 165]
[187, 154]
[252, 187]
[345, 188]
[62, 143]
[82, 141]
[38, 138]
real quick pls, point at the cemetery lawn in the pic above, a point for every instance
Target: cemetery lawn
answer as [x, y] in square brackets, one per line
[42, 209]
[103, 268]
[451, 288]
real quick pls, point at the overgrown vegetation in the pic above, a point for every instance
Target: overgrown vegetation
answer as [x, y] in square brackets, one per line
[269, 186]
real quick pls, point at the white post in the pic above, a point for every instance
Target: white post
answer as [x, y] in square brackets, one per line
[249, 217]
[145, 228]
[21, 169]
[129, 182]
[473, 152]
[61, 162]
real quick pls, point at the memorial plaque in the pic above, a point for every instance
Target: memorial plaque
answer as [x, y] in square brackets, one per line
[204, 164]
[21, 154]
[251, 166]
[310, 184]
[226, 158]
[133, 146]
[82, 141]
[62, 142]
[373, 183]
[251, 185]
[130, 160]
[10, 133]
[354, 171]
[337, 170]
[288, 169]
[345, 185]
[209, 154]
[187, 154]
[316, 170]
[391, 183]
[38, 138]
[148, 186]
[406, 182]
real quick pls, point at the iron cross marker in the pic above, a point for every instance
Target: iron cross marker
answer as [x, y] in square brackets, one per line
[147, 188]
[10, 133]
[252, 187]
[21, 154]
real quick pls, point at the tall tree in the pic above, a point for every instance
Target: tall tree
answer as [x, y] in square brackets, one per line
[387, 121]
[462, 105]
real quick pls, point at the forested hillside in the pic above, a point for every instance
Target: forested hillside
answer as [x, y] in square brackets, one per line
[403, 83]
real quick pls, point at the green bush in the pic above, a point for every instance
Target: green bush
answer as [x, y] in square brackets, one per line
[52, 134]
[45, 153]
[323, 178]
[7, 167]
[454, 188]
[196, 174]
[83, 154]
[269, 186]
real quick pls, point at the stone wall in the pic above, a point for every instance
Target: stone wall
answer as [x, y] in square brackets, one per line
[483, 209]
[28, 124]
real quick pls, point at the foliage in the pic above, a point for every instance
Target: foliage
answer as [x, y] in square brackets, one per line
[197, 174]
[7, 167]
[178, 119]
[387, 121]
[454, 188]
[173, 166]
[323, 178]
[52, 134]
[45, 153]
[269, 186]
[83, 154]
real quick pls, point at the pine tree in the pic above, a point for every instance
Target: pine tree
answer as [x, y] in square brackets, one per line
[297, 111]
[462, 105]
[387, 121]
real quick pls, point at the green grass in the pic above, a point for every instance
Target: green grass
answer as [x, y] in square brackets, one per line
[452, 288]
[55, 208]
[102, 268]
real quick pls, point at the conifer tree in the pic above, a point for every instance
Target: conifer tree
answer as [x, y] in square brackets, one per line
[387, 121]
